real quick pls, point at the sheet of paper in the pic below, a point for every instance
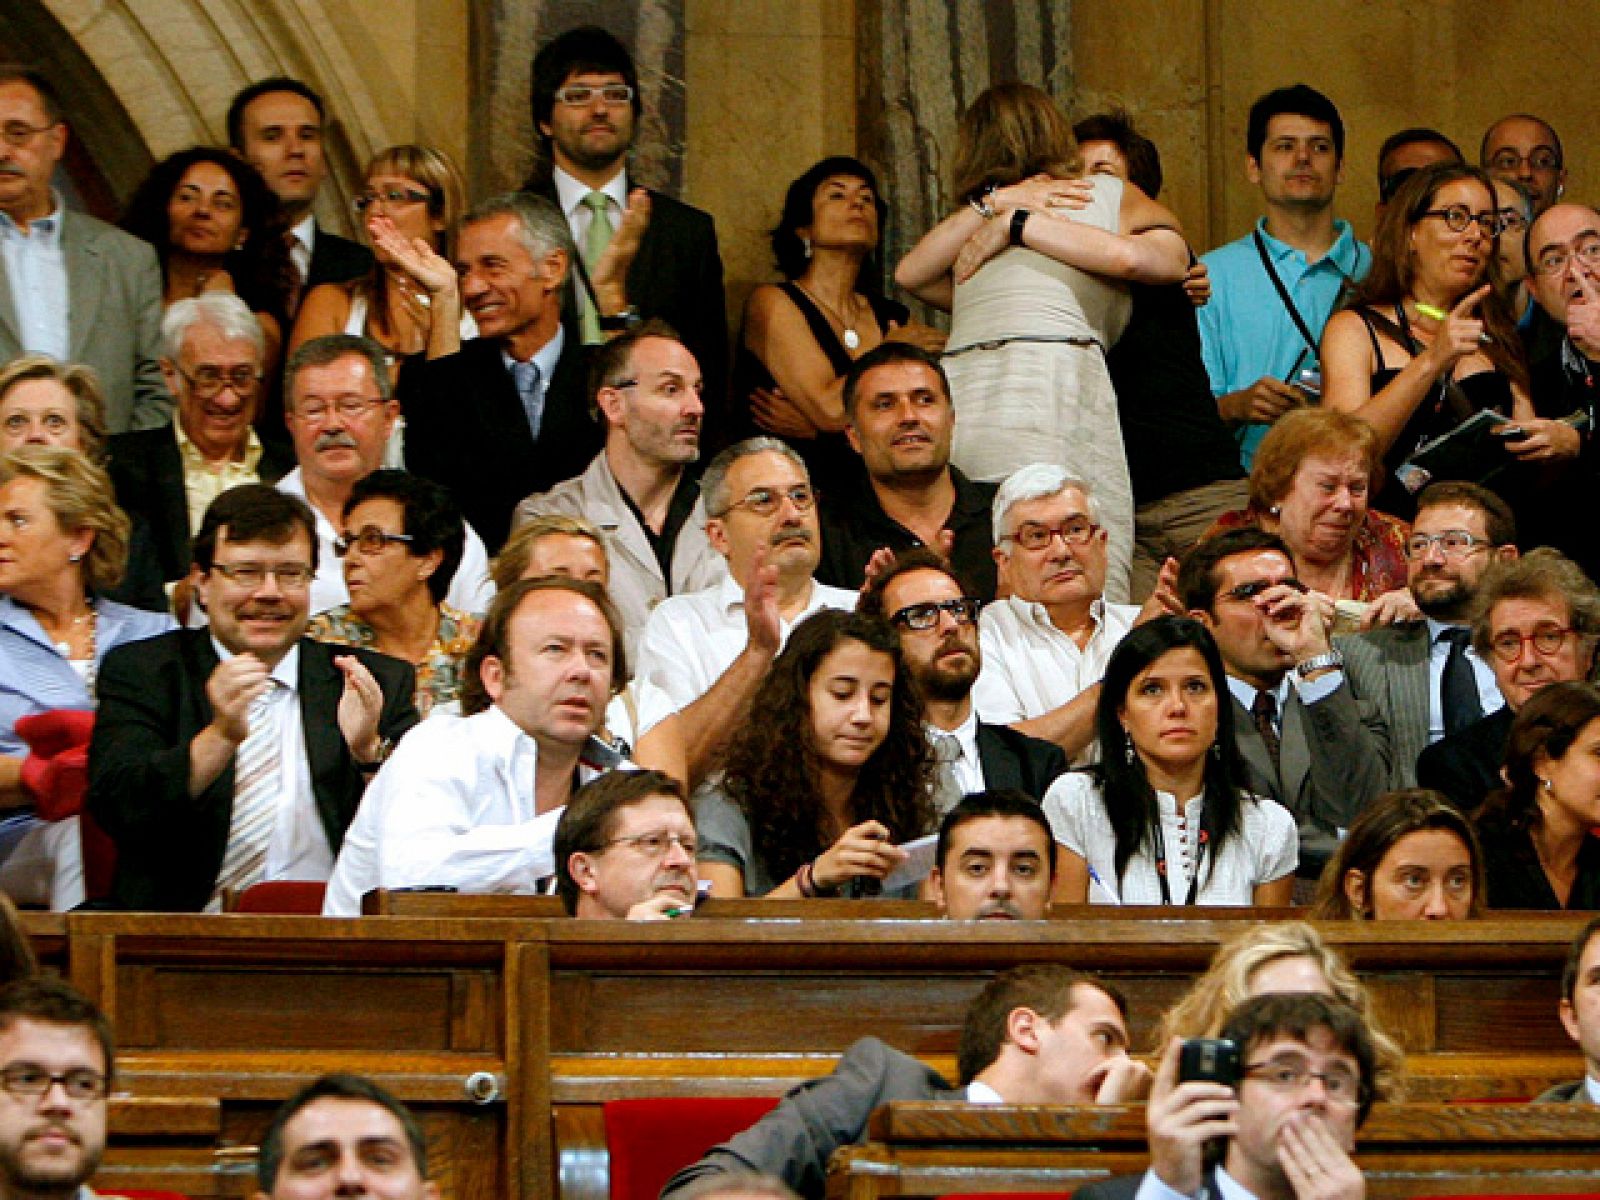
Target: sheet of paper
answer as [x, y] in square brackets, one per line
[919, 861]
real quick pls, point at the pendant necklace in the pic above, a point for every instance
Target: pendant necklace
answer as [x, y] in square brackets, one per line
[851, 339]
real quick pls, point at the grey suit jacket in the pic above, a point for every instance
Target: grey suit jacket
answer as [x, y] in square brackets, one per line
[113, 317]
[1333, 760]
[1388, 669]
[795, 1140]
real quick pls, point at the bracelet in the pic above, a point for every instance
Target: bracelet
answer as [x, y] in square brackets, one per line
[1019, 218]
[803, 881]
[983, 203]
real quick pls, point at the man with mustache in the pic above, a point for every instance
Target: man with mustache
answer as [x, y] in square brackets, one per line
[1424, 678]
[55, 1071]
[996, 859]
[920, 594]
[238, 753]
[646, 389]
[70, 286]
[625, 849]
[341, 411]
[472, 802]
[663, 259]
[900, 420]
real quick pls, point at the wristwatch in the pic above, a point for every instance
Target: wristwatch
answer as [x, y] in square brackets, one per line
[1019, 218]
[1330, 660]
[621, 321]
[385, 747]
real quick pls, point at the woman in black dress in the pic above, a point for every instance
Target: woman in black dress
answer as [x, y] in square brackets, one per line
[801, 336]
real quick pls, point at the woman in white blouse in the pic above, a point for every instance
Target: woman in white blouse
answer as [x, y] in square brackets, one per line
[1164, 818]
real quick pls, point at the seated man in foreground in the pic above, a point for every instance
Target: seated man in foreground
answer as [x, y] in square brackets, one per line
[1580, 1016]
[1034, 1035]
[996, 859]
[625, 849]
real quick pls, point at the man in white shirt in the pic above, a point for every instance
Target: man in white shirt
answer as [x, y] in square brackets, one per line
[646, 390]
[341, 411]
[1034, 1035]
[705, 647]
[625, 849]
[472, 802]
[1046, 644]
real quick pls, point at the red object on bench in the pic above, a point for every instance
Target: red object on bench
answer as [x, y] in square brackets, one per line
[651, 1140]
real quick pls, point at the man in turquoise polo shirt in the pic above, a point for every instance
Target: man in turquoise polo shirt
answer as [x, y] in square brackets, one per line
[1274, 288]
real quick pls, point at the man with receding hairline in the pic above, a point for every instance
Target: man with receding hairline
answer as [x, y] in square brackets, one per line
[1526, 149]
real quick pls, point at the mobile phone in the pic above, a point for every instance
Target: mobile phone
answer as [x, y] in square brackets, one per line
[1215, 1060]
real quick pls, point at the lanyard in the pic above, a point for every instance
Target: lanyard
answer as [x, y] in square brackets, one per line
[1161, 858]
[1283, 293]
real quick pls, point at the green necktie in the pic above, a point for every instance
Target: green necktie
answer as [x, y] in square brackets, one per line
[594, 245]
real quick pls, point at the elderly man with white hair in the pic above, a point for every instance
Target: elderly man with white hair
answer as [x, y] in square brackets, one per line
[1045, 645]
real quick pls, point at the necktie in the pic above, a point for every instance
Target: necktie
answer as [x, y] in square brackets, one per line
[1265, 713]
[1458, 689]
[526, 376]
[947, 788]
[296, 278]
[594, 245]
[256, 787]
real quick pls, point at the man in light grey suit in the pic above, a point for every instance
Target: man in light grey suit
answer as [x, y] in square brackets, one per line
[1304, 740]
[1580, 1016]
[1424, 677]
[645, 387]
[70, 286]
[1035, 1035]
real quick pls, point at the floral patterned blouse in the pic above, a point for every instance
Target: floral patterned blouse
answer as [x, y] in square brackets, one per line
[438, 675]
[1377, 554]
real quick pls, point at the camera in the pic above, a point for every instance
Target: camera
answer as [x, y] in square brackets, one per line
[1215, 1060]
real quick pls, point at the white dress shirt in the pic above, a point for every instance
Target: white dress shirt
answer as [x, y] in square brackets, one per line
[570, 192]
[453, 807]
[299, 847]
[37, 270]
[1030, 667]
[1438, 652]
[1152, 1187]
[302, 246]
[470, 591]
[690, 640]
[982, 1093]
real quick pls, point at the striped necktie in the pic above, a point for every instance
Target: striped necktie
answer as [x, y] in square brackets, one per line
[257, 785]
[947, 786]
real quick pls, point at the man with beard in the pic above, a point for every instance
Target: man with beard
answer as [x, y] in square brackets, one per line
[625, 849]
[1425, 679]
[56, 1066]
[921, 596]
[996, 859]
[239, 753]
[645, 387]
[900, 420]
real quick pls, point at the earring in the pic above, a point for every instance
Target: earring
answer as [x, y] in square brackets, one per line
[805, 246]
[75, 558]
[1127, 747]
[1545, 784]
[1275, 511]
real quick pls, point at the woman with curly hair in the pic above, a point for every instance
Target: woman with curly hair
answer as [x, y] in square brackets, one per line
[831, 773]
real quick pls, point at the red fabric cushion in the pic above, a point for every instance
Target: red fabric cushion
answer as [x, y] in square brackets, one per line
[652, 1140]
[282, 896]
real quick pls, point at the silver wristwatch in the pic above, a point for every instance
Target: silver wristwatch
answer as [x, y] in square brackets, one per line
[1319, 662]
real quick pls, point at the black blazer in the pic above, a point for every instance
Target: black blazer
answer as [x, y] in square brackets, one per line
[1466, 766]
[1015, 760]
[465, 429]
[153, 702]
[147, 471]
[336, 259]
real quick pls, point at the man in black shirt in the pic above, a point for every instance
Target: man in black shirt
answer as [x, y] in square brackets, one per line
[897, 403]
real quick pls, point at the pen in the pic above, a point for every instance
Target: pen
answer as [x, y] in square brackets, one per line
[1094, 877]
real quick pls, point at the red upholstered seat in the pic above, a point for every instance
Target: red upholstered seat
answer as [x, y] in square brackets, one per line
[282, 896]
[651, 1140]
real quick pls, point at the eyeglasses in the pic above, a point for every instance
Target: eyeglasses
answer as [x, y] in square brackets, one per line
[763, 502]
[207, 382]
[1343, 1086]
[18, 135]
[351, 408]
[1541, 158]
[580, 94]
[1547, 641]
[1452, 543]
[390, 198]
[1457, 217]
[371, 540]
[1553, 260]
[926, 616]
[1249, 591]
[1511, 220]
[1074, 531]
[654, 845]
[290, 576]
[30, 1079]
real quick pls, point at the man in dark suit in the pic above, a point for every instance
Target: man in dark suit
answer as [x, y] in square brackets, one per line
[937, 619]
[1580, 1016]
[586, 103]
[1305, 740]
[508, 414]
[1286, 1127]
[225, 756]
[996, 859]
[1034, 1035]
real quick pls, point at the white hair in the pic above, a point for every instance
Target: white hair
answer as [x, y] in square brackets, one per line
[223, 311]
[1037, 481]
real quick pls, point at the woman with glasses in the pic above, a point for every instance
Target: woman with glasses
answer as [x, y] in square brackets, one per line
[63, 544]
[1410, 856]
[1424, 342]
[1539, 846]
[216, 226]
[1164, 818]
[830, 775]
[46, 403]
[402, 542]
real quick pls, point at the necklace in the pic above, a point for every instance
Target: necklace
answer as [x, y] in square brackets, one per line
[64, 647]
[851, 339]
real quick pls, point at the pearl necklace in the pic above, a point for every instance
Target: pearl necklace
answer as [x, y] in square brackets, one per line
[64, 648]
